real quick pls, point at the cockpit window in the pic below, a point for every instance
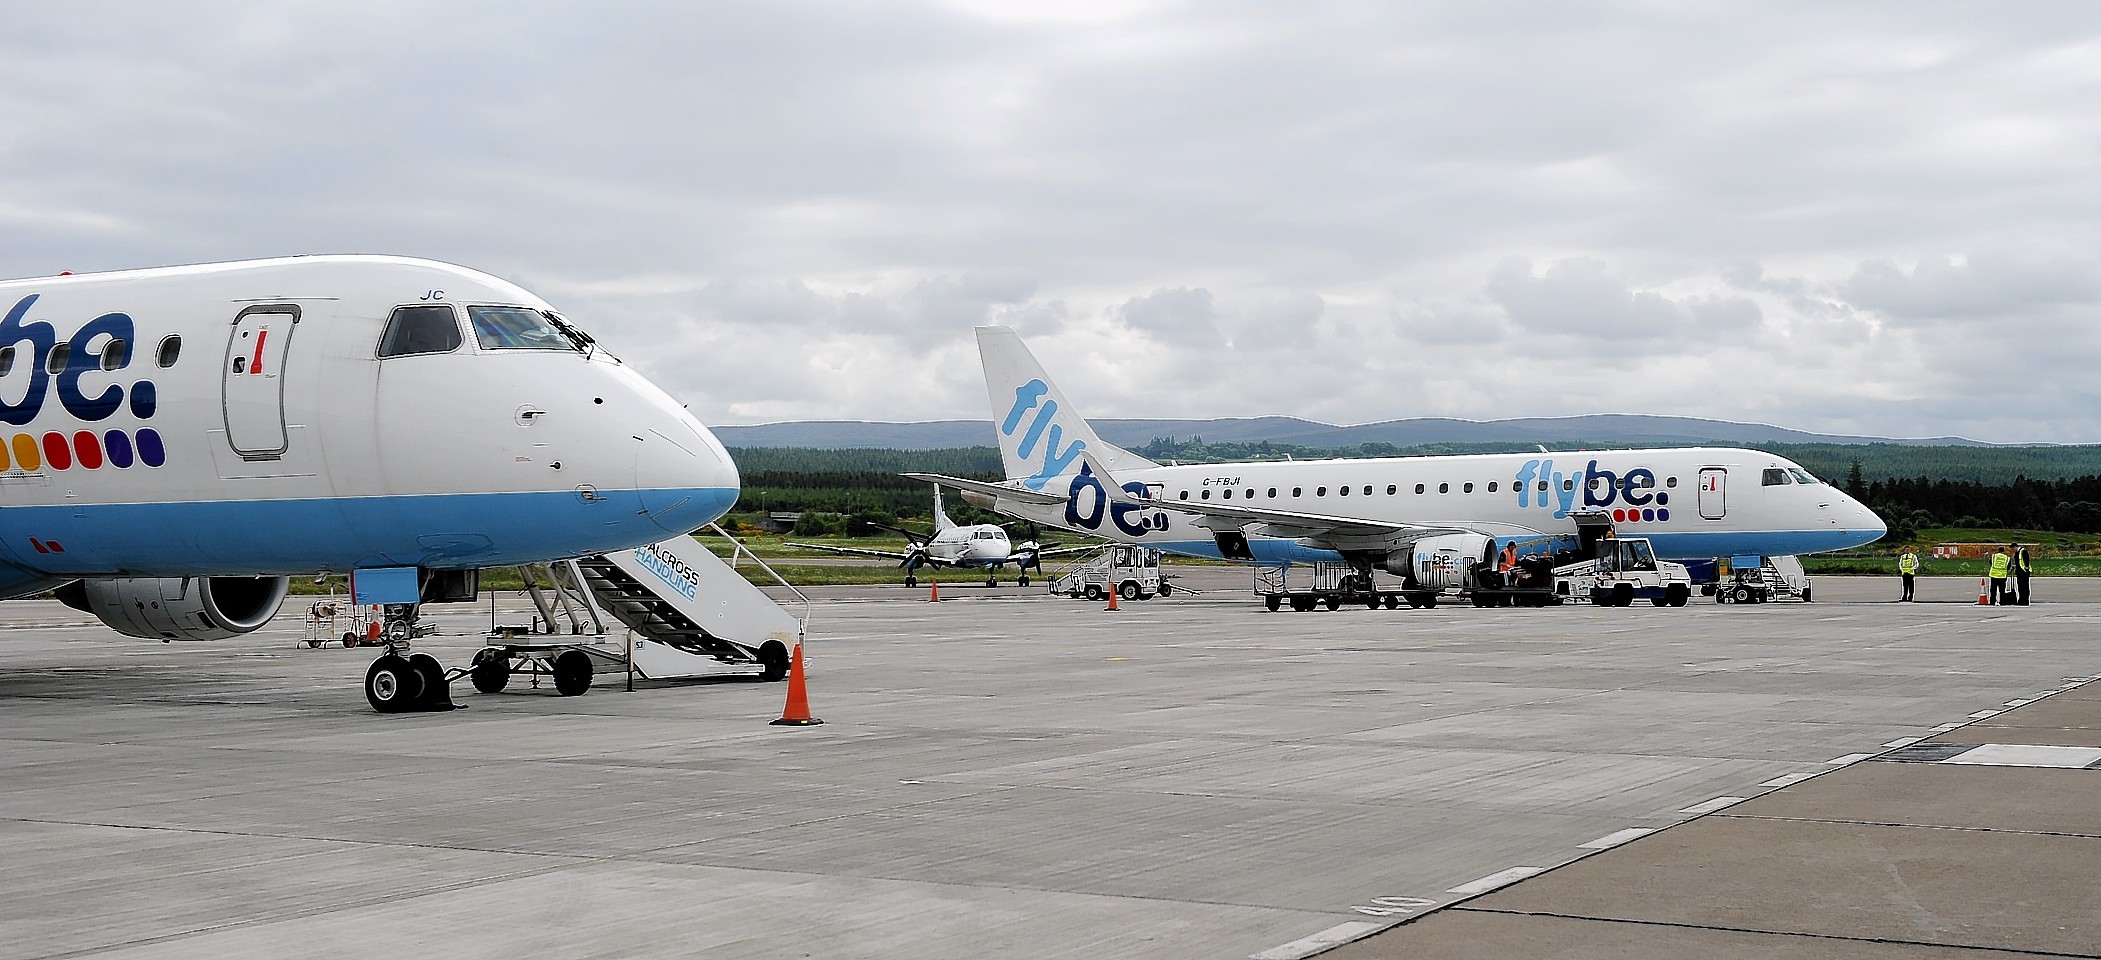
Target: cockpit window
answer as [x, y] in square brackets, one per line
[519, 328]
[1774, 476]
[421, 329]
[1802, 476]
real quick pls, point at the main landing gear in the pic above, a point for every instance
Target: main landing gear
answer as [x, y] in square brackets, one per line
[401, 681]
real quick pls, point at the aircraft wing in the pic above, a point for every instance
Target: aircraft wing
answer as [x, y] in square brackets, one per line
[1292, 523]
[1010, 490]
[885, 554]
[1062, 551]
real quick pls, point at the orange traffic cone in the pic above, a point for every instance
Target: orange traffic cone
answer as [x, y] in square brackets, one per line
[797, 712]
[372, 634]
[1112, 597]
[1984, 591]
[933, 591]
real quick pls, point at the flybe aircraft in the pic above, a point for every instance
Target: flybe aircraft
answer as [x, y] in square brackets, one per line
[979, 545]
[1692, 503]
[179, 441]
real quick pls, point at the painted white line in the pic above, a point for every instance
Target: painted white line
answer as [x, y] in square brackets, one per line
[1611, 840]
[1307, 946]
[2018, 703]
[1848, 758]
[1981, 714]
[1903, 742]
[1710, 806]
[1945, 727]
[2024, 755]
[1789, 780]
[1494, 880]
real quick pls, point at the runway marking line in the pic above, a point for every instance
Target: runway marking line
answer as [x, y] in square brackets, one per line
[1499, 878]
[1311, 944]
[1611, 840]
[1848, 758]
[1710, 806]
[1790, 780]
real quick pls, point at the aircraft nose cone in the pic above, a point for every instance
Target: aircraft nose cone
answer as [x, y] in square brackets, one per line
[683, 476]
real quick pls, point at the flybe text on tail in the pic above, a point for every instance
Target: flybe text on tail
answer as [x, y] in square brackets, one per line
[1035, 395]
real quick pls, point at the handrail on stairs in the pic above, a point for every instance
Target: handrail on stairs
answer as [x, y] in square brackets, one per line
[802, 629]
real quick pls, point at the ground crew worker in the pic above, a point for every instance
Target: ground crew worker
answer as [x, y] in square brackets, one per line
[1507, 564]
[2001, 566]
[1908, 566]
[2021, 568]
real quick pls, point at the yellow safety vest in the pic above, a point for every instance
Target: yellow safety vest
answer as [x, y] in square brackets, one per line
[1908, 563]
[2000, 563]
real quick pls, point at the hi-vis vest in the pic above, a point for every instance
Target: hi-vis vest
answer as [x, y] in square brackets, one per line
[1908, 563]
[2000, 562]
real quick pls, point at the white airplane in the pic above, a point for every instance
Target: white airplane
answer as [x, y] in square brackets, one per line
[1390, 513]
[983, 545]
[186, 438]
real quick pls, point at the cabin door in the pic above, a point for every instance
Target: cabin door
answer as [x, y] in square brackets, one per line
[1714, 492]
[254, 396]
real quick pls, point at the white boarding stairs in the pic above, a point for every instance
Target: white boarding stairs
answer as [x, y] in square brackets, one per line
[690, 611]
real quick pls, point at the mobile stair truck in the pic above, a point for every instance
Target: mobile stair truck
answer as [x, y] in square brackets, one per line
[687, 614]
[1751, 579]
[1132, 571]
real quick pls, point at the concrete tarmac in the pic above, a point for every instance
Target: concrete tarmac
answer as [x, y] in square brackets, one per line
[1034, 777]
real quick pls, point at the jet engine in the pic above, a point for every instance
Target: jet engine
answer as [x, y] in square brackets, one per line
[1439, 562]
[179, 608]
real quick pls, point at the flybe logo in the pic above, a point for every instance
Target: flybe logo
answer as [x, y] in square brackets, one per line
[1632, 496]
[1035, 395]
[55, 367]
[1087, 501]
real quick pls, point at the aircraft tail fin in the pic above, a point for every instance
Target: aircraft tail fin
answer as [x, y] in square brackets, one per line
[1040, 434]
[941, 520]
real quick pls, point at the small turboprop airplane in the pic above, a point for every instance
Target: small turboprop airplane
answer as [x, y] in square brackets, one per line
[956, 545]
[1389, 513]
[185, 439]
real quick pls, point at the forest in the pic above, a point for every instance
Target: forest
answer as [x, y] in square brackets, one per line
[1911, 487]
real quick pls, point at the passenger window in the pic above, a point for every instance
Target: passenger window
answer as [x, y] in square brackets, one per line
[1342, 491]
[1542, 486]
[114, 354]
[56, 363]
[423, 329]
[1469, 488]
[517, 328]
[1206, 495]
[1320, 491]
[1392, 489]
[1444, 488]
[170, 348]
[1491, 486]
[1670, 482]
[1418, 489]
[1367, 489]
[1272, 493]
[1183, 495]
[1298, 491]
[1773, 477]
[1568, 484]
[7, 360]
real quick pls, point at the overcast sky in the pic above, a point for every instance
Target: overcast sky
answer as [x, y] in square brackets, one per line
[1869, 218]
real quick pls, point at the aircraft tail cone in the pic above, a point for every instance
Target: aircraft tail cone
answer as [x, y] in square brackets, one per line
[1112, 598]
[797, 711]
[1984, 591]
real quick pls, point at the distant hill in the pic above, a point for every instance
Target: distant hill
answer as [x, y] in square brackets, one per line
[1601, 428]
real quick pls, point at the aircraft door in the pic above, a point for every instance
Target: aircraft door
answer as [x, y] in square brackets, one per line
[1714, 483]
[254, 393]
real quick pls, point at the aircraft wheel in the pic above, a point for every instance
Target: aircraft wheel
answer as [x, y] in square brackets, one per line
[349, 639]
[435, 695]
[1332, 602]
[1129, 590]
[1272, 602]
[774, 655]
[491, 670]
[572, 673]
[1676, 595]
[1093, 592]
[391, 685]
[911, 581]
[1022, 581]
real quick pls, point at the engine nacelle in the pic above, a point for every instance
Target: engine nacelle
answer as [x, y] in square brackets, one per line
[1439, 562]
[179, 608]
